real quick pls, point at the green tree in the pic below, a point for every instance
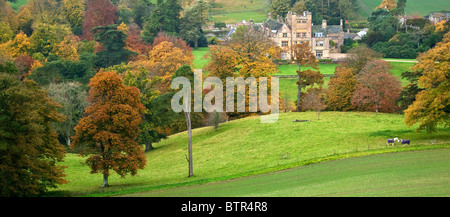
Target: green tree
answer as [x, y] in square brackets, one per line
[192, 21]
[114, 42]
[165, 17]
[30, 153]
[279, 8]
[142, 11]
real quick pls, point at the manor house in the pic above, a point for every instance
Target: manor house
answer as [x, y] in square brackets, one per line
[323, 39]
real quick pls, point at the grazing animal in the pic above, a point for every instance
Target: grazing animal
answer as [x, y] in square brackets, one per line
[405, 141]
[392, 141]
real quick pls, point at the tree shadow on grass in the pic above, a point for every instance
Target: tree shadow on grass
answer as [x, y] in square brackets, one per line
[390, 133]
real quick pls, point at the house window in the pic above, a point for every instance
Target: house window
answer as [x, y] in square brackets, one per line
[284, 35]
[304, 21]
[283, 55]
[319, 54]
[318, 34]
[284, 44]
[304, 35]
[298, 34]
[319, 43]
[298, 21]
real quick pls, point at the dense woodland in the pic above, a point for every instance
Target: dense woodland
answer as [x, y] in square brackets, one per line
[93, 77]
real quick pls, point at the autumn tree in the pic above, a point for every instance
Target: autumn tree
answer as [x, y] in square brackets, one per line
[432, 105]
[30, 154]
[314, 100]
[135, 43]
[110, 127]
[387, 4]
[67, 49]
[340, 90]
[248, 54]
[73, 10]
[163, 60]
[20, 45]
[302, 55]
[46, 35]
[376, 89]
[98, 13]
[72, 97]
[176, 41]
[358, 57]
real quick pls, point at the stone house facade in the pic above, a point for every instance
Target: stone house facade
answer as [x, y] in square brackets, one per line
[294, 29]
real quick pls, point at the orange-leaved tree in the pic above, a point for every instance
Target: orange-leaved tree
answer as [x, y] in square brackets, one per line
[432, 105]
[109, 130]
[302, 55]
[340, 89]
[377, 90]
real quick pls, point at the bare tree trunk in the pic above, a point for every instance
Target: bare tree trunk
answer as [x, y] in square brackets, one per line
[190, 161]
[105, 181]
[298, 96]
[148, 146]
[68, 141]
[299, 88]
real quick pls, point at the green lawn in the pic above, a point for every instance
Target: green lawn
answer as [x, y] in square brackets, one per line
[245, 147]
[19, 3]
[291, 69]
[421, 8]
[406, 174]
[234, 17]
[199, 61]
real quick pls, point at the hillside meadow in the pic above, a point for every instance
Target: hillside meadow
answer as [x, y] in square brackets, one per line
[415, 7]
[247, 147]
[422, 173]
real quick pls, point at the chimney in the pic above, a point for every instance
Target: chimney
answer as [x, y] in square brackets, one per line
[269, 16]
[324, 24]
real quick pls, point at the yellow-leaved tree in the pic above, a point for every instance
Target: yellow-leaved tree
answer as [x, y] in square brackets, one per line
[432, 105]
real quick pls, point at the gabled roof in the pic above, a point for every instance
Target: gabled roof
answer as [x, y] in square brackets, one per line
[334, 29]
[318, 29]
[273, 24]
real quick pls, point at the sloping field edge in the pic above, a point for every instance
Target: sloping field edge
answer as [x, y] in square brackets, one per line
[331, 157]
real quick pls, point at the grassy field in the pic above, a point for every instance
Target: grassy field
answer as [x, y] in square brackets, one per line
[419, 7]
[233, 11]
[415, 174]
[199, 61]
[259, 148]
